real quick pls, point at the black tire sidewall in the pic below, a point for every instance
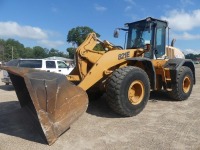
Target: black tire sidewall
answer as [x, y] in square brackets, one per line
[187, 72]
[133, 75]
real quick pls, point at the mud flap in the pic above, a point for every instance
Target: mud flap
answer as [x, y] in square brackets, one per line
[54, 101]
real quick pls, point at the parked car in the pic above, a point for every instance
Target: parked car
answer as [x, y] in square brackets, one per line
[56, 66]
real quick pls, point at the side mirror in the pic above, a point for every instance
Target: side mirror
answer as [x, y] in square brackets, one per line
[116, 33]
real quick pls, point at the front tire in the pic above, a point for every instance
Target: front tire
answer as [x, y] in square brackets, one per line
[183, 85]
[128, 90]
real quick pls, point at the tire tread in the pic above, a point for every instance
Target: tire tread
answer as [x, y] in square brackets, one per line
[113, 89]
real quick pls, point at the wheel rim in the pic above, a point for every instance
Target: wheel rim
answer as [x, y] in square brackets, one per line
[186, 84]
[136, 92]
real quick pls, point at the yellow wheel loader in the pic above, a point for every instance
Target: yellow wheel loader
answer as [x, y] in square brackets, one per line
[126, 76]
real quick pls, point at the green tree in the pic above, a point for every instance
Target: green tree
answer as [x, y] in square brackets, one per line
[71, 52]
[39, 52]
[78, 35]
[98, 47]
[13, 49]
[62, 54]
[28, 53]
[55, 52]
[190, 56]
[2, 49]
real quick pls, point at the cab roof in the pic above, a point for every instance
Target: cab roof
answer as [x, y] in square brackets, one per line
[147, 19]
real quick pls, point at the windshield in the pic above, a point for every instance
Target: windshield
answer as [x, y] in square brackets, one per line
[140, 35]
[145, 32]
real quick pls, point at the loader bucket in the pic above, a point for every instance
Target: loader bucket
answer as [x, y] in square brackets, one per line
[53, 101]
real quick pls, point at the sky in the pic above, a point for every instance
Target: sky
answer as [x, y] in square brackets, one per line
[46, 23]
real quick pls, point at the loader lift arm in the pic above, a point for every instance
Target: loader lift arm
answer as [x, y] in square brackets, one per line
[93, 66]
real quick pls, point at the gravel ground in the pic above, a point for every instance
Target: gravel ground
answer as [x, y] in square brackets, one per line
[163, 124]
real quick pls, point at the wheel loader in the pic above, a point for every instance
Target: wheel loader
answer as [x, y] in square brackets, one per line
[126, 76]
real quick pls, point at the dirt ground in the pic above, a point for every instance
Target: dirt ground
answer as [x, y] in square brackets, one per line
[163, 124]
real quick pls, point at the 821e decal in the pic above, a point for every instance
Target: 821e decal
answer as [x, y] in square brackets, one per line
[124, 55]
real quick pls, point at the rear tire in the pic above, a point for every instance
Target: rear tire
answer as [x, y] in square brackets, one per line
[182, 88]
[128, 90]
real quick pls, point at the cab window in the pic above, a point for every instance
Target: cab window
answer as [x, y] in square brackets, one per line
[160, 42]
[30, 63]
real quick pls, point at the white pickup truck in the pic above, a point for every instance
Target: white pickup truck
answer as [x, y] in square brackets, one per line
[56, 66]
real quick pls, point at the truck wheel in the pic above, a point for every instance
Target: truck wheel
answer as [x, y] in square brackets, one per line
[128, 90]
[182, 88]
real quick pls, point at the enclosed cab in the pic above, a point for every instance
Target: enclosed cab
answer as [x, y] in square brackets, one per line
[151, 32]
